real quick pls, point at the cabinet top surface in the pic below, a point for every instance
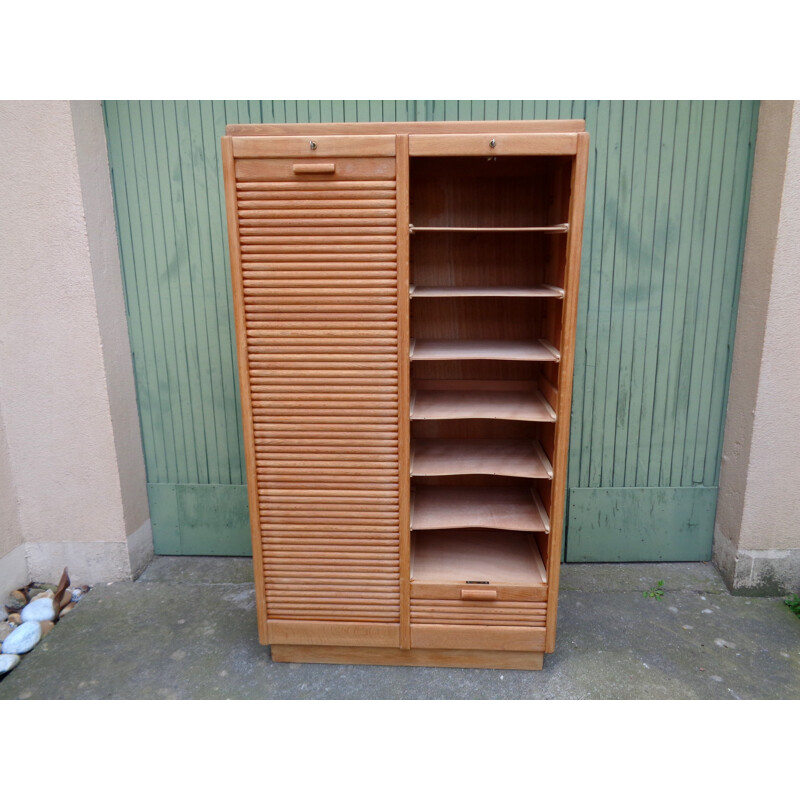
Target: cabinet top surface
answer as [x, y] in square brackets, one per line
[466, 126]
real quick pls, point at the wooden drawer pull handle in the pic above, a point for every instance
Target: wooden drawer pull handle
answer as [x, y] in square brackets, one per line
[305, 169]
[479, 594]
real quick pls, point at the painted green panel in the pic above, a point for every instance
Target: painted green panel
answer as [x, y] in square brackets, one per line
[388, 111]
[672, 240]
[152, 118]
[148, 211]
[666, 210]
[179, 280]
[684, 278]
[618, 382]
[214, 520]
[654, 240]
[137, 295]
[636, 287]
[608, 360]
[696, 463]
[204, 519]
[640, 524]
[704, 312]
[691, 273]
[163, 500]
[664, 302]
[728, 303]
[588, 306]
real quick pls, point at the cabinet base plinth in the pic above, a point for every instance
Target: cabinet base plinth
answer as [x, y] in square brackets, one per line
[395, 657]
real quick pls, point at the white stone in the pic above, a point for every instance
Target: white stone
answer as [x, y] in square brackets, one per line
[22, 639]
[41, 610]
[8, 662]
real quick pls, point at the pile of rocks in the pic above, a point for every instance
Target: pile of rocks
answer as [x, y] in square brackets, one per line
[30, 613]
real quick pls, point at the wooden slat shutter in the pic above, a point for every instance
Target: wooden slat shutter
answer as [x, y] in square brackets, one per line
[315, 238]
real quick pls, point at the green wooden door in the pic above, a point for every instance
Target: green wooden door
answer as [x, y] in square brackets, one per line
[664, 233]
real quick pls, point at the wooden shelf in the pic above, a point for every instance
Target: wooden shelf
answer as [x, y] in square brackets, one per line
[486, 349]
[563, 228]
[509, 508]
[523, 406]
[486, 291]
[477, 555]
[512, 457]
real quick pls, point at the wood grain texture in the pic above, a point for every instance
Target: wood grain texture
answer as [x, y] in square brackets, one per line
[465, 349]
[508, 508]
[471, 610]
[467, 659]
[323, 146]
[330, 559]
[527, 406]
[479, 637]
[565, 368]
[334, 633]
[505, 144]
[533, 595]
[521, 458]
[483, 556]
[486, 291]
[255, 171]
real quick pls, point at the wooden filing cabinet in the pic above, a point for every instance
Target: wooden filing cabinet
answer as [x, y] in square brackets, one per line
[405, 298]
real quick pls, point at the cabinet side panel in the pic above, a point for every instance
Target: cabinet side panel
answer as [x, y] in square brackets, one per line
[565, 368]
[228, 169]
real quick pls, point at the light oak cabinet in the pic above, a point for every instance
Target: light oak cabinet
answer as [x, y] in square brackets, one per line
[405, 298]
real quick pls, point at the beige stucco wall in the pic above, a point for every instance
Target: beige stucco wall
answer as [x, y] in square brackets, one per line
[13, 566]
[10, 531]
[67, 390]
[98, 208]
[757, 537]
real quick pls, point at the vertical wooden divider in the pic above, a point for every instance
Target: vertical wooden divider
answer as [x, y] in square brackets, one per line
[403, 381]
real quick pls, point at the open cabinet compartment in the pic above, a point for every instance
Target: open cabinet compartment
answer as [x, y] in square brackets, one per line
[487, 270]
[405, 300]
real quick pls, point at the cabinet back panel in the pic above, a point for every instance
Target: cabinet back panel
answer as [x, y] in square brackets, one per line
[514, 191]
[515, 319]
[464, 258]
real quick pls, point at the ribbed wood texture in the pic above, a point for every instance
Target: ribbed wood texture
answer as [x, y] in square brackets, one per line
[471, 612]
[320, 306]
[667, 197]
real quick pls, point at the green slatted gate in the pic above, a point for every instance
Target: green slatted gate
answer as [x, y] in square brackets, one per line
[664, 235]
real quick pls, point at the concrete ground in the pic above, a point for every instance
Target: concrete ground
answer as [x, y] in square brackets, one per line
[187, 630]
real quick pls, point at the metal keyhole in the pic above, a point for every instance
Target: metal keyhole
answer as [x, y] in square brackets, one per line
[493, 143]
[314, 144]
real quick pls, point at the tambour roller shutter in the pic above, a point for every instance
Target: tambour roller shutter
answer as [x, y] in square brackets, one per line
[315, 231]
